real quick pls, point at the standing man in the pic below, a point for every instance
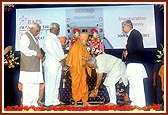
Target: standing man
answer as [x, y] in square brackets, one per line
[30, 66]
[115, 69]
[77, 61]
[134, 59]
[53, 63]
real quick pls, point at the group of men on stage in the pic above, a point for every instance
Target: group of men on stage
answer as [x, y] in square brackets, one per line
[79, 59]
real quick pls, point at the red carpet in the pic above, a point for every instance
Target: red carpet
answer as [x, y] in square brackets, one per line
[155, 107]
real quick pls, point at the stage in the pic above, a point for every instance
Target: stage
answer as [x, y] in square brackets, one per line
[98, 103]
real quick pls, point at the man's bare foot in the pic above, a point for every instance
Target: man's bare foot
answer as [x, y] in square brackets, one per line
[75, 104]
[40, 103]
[110, 104]
[86, 104]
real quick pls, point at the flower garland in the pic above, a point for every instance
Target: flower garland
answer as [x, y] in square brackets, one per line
[74, 39]
[96, 46]
[154, 107]
[11, 61]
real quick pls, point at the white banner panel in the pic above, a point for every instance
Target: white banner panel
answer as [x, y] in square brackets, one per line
[142, 17]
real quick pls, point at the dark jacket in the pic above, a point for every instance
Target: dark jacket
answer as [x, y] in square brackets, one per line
[135, 47]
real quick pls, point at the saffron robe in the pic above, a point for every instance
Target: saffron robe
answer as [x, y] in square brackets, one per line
[161, 74]
[78, 68]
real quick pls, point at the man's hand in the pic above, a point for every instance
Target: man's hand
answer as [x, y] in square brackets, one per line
[63, 62]
[125, 53]
[39, 55]
[93, 93]
[65, 68]
[86, 59]
[98, 82]
[20, 86]
[43, 58]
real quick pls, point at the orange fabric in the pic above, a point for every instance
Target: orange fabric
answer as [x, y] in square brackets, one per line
[161, 74]
[84, 36]
[78, 71]
[62, 39]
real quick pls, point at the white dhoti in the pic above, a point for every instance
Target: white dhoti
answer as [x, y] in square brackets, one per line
[136, 73]
[30, 91]
[116, 74]
[111, 88]
[30, 94]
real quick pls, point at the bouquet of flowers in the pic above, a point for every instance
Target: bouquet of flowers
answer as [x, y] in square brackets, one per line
[11, 60]
[160, 53]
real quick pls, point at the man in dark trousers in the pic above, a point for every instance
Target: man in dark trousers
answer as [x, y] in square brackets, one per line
[134, 59]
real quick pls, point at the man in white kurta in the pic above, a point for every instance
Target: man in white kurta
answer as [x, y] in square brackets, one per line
[115, 69]
[52, 65]
[30, 79]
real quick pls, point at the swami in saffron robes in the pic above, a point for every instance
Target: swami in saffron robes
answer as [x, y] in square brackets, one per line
[77, 61]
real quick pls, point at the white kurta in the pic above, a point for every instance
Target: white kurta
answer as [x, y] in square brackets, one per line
[111, 65]
[30, 80]
[115, 69]
[52, 68]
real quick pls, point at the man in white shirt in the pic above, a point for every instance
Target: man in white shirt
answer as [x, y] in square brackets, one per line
[115, 69]
[53, 63]
[30, 66]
